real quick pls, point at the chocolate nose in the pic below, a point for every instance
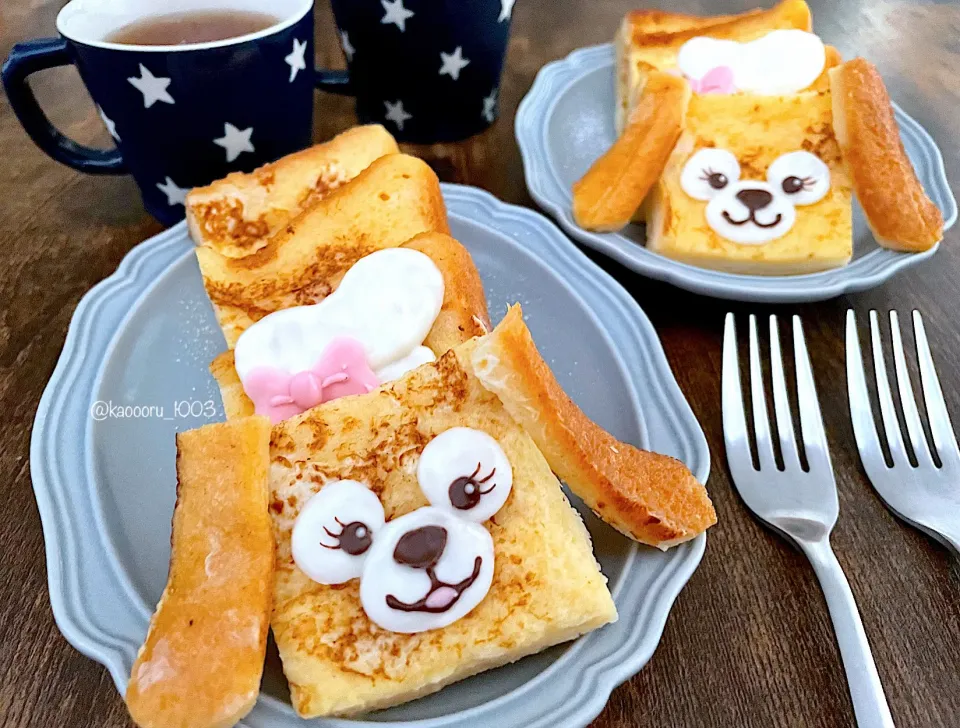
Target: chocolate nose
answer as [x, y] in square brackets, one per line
[754, 199]
[421, 548]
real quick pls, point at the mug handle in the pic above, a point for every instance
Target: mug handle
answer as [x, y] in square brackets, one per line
[38, 55]
[335, 82]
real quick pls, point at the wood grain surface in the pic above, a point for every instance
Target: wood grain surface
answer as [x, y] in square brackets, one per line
[748, 642]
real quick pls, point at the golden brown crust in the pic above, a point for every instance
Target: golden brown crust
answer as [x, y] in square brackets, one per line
[236, 404]
[464, 311]
[659, 28]
[395, 198]
[237, 214]
[201, 663]
[463, 315]
[652, 498]
[897, 209]
[608, 195]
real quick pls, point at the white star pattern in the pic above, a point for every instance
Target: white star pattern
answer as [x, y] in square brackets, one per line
[109, 123]
[453, 63]
[396, 114]
[153, 88]
[348, 50]
[296, 60]
[489, 104]
[506, 10]
[235, 141]
[175, 195]
[395, 13]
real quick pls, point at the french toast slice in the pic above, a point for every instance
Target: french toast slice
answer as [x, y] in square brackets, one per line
[654, 37]
[611, 191]
[652, 498]
[547, 586]
[463, 315]
[391, 201]
[202, 659]
[756, 130]
[237, 214]
[898, 211]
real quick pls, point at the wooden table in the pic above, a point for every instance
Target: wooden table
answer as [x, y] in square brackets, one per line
[748, 642]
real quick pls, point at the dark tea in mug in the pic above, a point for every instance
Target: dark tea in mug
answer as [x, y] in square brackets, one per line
[199, 26]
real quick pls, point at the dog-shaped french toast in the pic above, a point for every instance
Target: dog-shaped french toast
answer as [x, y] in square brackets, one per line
[743, 142]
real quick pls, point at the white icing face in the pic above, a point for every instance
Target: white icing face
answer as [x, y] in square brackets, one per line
[428, 568]
[385, 305]
[780, 62]
[753, 212]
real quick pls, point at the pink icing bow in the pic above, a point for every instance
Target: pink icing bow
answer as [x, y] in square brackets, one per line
[717, 80]
[341, 370]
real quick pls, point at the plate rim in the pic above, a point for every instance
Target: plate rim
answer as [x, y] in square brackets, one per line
[59, 409]
[544, 185]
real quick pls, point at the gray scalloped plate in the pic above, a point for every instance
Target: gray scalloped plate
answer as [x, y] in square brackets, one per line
[566, 121]
[105, 486]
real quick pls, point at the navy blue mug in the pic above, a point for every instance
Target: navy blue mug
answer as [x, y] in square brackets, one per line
[429, 70]
[182, 115]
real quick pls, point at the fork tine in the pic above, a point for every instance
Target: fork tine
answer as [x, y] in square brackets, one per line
[910, 413]
[734, 419]
[940, 426]
[781, 401]
[811, 421]
[861, 412]
[761, 420]
[888, 414]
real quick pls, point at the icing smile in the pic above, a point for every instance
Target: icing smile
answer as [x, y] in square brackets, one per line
[441, 596]
[753, 219]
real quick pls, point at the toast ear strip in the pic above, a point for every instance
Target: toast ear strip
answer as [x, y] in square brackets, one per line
[606, 197]
[653, 499]
[898, 211]
[201, 663]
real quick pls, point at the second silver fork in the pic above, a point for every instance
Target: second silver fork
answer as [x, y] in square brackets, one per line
[799, 503]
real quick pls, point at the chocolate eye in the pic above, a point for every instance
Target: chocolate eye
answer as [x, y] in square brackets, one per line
[354, 537]
[792, 185]
[466, 491]
[717, 180]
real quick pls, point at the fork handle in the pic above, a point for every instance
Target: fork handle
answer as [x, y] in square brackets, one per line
[866, 692]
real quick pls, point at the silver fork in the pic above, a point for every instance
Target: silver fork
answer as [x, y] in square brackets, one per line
[925, 495]
[800, 504]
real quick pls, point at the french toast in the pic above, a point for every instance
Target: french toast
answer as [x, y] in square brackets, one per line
[546, 586]
[202, 659]
[609, 194]
[462, 316]
[898, 211]
[236, 215]
[777, 136]
[394, 199]
[652, 498]
[654, 37]
[756, 131]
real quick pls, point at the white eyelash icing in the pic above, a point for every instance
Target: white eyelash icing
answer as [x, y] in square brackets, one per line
[344, 500]
[462, 453]
[805, 166]
[694, 171]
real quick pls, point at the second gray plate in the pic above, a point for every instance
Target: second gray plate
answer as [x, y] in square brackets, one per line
[134, 371]
[566, 121]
